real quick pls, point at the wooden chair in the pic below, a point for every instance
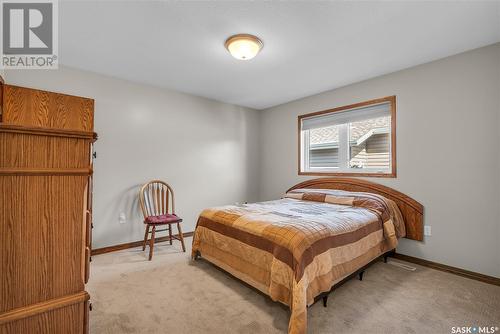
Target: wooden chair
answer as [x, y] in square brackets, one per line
[154, 198]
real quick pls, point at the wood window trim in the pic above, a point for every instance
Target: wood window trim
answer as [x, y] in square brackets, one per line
[391, 174]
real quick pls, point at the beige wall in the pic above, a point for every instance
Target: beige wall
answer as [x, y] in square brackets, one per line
[210, 151]
[205, 149]
[450, 103]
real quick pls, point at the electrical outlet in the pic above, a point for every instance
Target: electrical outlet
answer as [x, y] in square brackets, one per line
[122, 218]
[427, 230]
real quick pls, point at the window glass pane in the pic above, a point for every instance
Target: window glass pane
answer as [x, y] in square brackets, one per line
[352, 139]
[324, 147]
[369, 143]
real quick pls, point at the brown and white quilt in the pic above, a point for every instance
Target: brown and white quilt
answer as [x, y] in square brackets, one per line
[297, 247]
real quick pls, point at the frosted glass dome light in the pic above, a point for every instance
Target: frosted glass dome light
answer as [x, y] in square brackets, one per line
[243, 46]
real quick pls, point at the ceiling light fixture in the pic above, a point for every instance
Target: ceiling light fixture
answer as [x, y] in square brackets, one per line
[243, 46]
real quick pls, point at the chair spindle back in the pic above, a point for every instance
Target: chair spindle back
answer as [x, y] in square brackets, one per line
[155, 198]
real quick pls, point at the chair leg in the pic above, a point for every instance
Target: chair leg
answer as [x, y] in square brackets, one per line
[152, 243]
[170, 232]
[181, 237]
[145, 238]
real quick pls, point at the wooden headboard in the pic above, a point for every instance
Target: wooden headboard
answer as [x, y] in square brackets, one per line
[413, 211]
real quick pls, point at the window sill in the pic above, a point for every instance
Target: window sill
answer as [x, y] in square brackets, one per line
[360, 174]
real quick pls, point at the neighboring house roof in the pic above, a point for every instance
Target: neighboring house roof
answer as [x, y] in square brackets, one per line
[330, 135]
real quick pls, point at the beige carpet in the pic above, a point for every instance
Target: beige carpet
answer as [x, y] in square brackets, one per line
[171, 294]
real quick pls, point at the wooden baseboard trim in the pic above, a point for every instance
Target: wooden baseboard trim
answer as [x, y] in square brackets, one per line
[449, 269]
[133, 244]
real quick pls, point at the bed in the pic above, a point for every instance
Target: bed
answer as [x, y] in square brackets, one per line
[298, 247]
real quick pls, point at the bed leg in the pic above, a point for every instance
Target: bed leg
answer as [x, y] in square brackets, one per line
[361, 275]
[196, 255]
[386, 255]
[325, 300]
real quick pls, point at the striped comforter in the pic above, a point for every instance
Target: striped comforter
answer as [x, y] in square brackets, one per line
[294, 248]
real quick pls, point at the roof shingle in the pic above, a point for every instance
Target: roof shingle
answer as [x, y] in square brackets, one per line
[330, 134]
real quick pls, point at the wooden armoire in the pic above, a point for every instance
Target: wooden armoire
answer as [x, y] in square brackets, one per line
[45, 210]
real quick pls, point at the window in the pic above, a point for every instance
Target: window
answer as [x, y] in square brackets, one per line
[358, 139]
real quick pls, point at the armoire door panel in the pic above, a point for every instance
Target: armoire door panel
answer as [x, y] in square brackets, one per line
[42, 238]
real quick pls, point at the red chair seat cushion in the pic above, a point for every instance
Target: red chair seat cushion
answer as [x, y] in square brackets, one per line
[162, 219]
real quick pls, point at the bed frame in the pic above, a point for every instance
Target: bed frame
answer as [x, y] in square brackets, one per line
[360, 272]
[412, 211]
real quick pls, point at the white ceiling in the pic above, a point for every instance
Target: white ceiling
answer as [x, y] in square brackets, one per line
[309, 47]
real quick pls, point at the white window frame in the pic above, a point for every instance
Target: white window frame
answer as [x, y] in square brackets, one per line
[344, 147]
